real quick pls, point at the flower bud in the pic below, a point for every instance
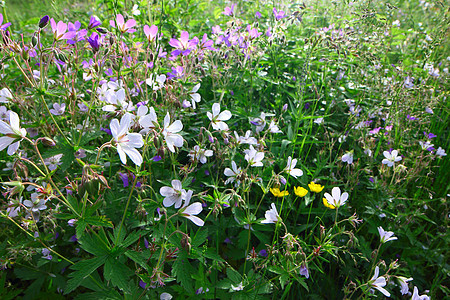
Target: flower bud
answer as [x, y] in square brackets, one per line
[48, 142]
[101, 30]
[34, 39]
[44, 21]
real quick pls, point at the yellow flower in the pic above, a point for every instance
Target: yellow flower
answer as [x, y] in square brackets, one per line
[301, 192]
[325, 202]
[277, 193]
[315, 187]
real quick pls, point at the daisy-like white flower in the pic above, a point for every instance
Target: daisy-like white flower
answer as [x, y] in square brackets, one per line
[57, 109]
[386, 236]
[290, 168]
[126, 142]
[5, 95]
[247, 139]
[35, 205]
[200, 154]
[254, 157]
[117, 101]
[170, 133]
[217, 118]
[391, 158]
[426, 145]
[415, 295]
[348, 157]
[271, 215]
[404, 284]
[233, 173]
[191, 211]
[336, 199]
[379, 282]
[53, 162]
[441, 152]
[174, 194]
[13, 133]
[195, 97]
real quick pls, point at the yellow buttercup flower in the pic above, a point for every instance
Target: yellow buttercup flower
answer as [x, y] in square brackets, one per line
[299, 191]
[315, 187]
[325, 202]
[277, 193]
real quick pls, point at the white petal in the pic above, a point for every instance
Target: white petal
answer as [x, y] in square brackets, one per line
[296, 173]
[14, 121]
[5, 141]
[5, 128]
[224, 116]
[114, 125]
[135, 140]
[166, 191]
[343, 198]
[13, 148]
[176, 184]
[166, 120]
[336, 192]
[216, 109]
[197, 221]
[193, 209]
[122, 155]
[134, 155]
[175, 127]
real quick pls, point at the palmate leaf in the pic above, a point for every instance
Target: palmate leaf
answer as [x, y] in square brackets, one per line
[82, 270]
[117, 273]
[182, 270]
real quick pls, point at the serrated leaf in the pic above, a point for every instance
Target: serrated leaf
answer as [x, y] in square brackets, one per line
[98, 221]
[182, 270]
[138, 257]
[94, 245]
[211, 254]
[117, 273]
[83, 269]
[200, 237]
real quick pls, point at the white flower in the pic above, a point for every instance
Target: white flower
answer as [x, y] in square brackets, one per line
[192, 210]
[416, 296]
[4, 114]
[218, 117]
[336, 199]
[149, 120]
[290, 168]
[170, 133]
[232, 173]
[13, 133]
[391, 158]
[239, 287]
[156, 84]
[117, 101]
[348, 158]
[247, 139]
[53, 162]
[441, 152]
[165, 296]
[135, 10]
[14, 207]
[368, 152]
[273, 128]
[318, 120]
[386, 236]
[425, 145]
[260, 122]
[35, 205]
[195, 97]
[200, 154]
[126, 142]
[379, 282]
[404, 284]
[5, 95]
[271, 215]
[173, 195]
[253, 157]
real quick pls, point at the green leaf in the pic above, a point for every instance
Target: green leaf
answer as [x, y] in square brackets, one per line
[200, 237]
[83, 269]
[182, 270]
[99, 221]
[139, 258]
[117, 273]
[94, 245]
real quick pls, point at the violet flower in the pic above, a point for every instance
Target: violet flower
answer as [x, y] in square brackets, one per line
[278, 14]
[229, 10]
[57, 109]
[94, 22]
[184, 45]
[94, 42]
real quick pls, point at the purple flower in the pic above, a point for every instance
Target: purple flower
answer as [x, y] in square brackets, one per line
[184, 45]
[411, 118]
[372, 180]
[278, 14]
[263, 252]
[151, 32]
[429, 135]
[142, 284]
[93, 41]
[304, 271]
[258, 15]
[177, 72]
[229, 10]
[122, 26]
[94, 22]
[157, 158]
[4, 26]
[46, 254]
[43, 22]
[57, 109]
[71, 222]
[124, 178]
[375, 130]
[73, 239]
[107, 130]
[79, 34]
